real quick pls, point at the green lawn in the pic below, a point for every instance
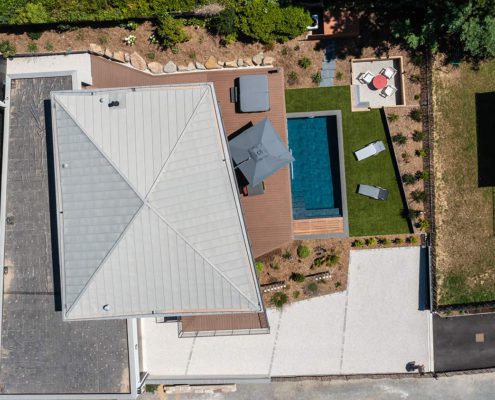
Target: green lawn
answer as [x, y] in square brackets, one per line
[366, 216]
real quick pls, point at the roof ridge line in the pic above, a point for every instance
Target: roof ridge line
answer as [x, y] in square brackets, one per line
[109, 253]
[165, 163]
[107, 157]
[166, 222]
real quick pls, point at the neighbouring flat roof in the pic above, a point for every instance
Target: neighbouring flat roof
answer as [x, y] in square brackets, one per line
[41, 354]
[268, 217]
[149, 216]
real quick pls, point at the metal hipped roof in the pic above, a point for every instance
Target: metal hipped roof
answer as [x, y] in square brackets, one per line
[149, 218]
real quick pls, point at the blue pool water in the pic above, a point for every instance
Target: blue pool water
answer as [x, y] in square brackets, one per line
[315, 174]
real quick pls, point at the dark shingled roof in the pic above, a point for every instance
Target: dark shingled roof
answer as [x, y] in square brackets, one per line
[41, 354]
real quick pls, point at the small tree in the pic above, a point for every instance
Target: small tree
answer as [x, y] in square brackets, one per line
[260, 266]
[408, 179]
[292, 78]
[332, 259]
[303, 251]
[415, 115]
[398, 241]
[399, 139]
[316, 78]
[423, 224]
[279, 299]
[421, 153]
[418, 136]
[418, 196]
[405, 157]
[392, 117]
[170, 31]
[304, 62]
[412, 240]
[424, 175]
[297, 277]
[358, 243]
[371, 242]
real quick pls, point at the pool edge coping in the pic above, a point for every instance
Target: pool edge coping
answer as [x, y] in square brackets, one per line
[343, 186]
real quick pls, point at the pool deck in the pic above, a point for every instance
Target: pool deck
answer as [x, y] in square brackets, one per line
[315, 226]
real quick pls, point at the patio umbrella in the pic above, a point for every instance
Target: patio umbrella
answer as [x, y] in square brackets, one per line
[259, 152]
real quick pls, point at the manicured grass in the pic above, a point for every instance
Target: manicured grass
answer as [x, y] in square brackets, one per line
[465, 242]
[366, 216]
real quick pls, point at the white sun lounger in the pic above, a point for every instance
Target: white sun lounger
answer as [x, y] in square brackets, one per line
[375, 192]
[371, 150]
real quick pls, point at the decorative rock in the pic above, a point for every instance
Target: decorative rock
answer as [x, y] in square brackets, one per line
[231, 64]
[211, 63]
[200, 66]
[258, 59]
[221, 64]
[240, 62]
[191, 66]
[268, 60]
[138, 62]
[182, 68]
[127, 57]
[248, 62]
[94, 48]
[119, 56]
[170, 67]
[108, 53]
[155, 67]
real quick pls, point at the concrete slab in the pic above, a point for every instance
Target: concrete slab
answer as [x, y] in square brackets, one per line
[385, 328]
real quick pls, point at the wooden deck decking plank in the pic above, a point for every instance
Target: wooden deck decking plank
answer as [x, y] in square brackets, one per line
[318, 226]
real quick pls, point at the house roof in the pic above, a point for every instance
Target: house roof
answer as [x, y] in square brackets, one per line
[149, 216]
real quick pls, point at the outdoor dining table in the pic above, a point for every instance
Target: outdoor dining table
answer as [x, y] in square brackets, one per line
[379, 81]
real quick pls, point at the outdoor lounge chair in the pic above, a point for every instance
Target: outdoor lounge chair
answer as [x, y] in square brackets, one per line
[388, 72]
[370, 150]
[388, 91]
[375, 192]
[365, 77]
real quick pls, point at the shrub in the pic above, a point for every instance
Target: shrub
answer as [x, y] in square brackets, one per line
[32, 47]
[316, 78]
[392, 117]
[418, 136]
[418, 196]
[423, 224]
[304, 62]
[332, 259]
[357, 243]
[338, 284]
[7, 49]
[384, 241]
[312, 287]
[30, 13]
[296, 47]
[274, 266]
[405, 157]
[34, 35]
[131, 25]
[103, 40]
[420, 153]
[415, 115]
[175, 50]
[399, 139]
[411, 240]
[292, 78]
[260, 266]
[408, 179]
[223, 23]
[296, 277]
[398, 241]
[339, 75]
[415, 78]
[417, 96]
[170, 31]
[152, 388]
[413, 214]
[49, 46]
[80, 36]
[371, 242]
[192, 55]
[150, 56]
[279, 299]
[269, 46]
[303, 251]
[130, 40]
[286, 255]
[284, 51]
[296, 294]
[424, 175]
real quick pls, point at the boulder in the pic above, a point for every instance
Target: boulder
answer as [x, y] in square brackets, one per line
[221, 64]
[231, 64]
[127, 57]
[138, 62]
[182, 68]
[268, 60]
[258, 59]
[96, 49]
[119, 56]
[155, 67]
[240, 62]
[170, 67]
[200, 66]
[191, 66]
[108, 53]
[211, 63]
[248, 62]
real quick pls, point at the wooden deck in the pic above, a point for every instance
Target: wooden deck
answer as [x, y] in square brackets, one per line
[318, 226]
[268, 217]
[192, 325]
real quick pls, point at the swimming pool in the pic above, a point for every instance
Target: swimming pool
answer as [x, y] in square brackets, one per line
[315, 176]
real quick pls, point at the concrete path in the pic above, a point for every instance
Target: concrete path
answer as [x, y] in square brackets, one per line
[329, 64]
[460, 387]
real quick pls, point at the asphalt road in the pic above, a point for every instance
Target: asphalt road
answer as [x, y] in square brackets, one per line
[472, 387]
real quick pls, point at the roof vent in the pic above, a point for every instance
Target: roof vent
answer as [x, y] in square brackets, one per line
[106, 307]
[65, 165]
[114, 103]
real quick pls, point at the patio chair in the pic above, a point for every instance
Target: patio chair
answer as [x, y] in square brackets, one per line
[374, 192]
[388, 72]
[250, 190]
[365, 77]
[370, 150]
[388, 91]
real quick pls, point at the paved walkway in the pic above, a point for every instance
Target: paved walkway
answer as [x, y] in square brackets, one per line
[329, 64]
